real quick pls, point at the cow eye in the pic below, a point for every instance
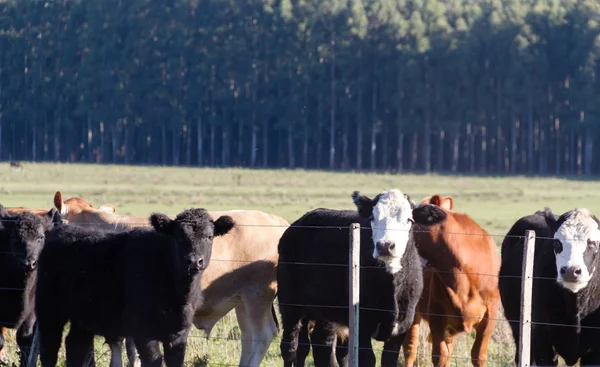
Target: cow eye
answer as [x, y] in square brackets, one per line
[593, 245]
[558, 246]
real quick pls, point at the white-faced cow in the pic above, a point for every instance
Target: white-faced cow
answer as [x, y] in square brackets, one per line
[142, 283]
[566, 286]
[241, 276]
[313, 276]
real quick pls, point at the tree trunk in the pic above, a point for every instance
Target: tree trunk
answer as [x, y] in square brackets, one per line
[253, 145]
[199, 137]
[483, 154]
[102, 148]
[572, 153]
[374, 126]
[543, 152]
[455, 150]
[290, 144]
[345, 159]
[33, 144]
[57, 131]
[319, 129]
[240, 143]
[530, 128]
[513, 146]
[400, 151]
[89, 139]
[385, 147]
[359, 131]
[332, 109]
[440, 152]
[213, 134]
[114, 142]
[265, 143]
[225, 123]
[176, 142]
[589, 151]
[188, 145]
[471, 151]
[499, 149]
[557, 147]
[163, 144]
[126, 144]
[579, 155]
[306, 127]
[414, 151]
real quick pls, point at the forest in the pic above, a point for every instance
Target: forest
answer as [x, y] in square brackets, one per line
[465, 86]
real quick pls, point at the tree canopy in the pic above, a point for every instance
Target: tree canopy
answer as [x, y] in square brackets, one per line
[486, 86]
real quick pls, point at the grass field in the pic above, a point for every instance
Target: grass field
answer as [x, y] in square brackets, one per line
[495, 203]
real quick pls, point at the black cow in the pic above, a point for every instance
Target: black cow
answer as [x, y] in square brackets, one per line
[390, 276]
[21, 240]
[143, 284]
[566, 286]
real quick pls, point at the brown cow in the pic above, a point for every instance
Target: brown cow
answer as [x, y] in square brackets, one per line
[241, 273]
[458, 294]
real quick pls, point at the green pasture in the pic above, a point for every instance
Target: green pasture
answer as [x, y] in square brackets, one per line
[494, 202]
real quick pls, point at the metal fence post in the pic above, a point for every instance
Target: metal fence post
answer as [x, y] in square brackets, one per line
[526, 298]
[354, 293]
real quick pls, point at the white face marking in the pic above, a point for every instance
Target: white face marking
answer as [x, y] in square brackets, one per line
[392, 221]
[574, 234]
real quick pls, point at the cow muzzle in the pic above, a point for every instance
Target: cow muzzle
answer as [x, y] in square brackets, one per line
[196, 267]
[385, 248]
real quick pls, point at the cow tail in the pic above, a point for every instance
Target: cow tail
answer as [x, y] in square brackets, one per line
[273, 312]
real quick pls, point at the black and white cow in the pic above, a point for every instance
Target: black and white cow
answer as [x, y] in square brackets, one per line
[390, 275]
[566, 286]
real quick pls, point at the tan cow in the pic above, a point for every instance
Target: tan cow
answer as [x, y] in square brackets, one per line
[241, 273]
[460, 292]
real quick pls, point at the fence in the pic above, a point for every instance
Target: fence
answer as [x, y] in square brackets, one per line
[523, 345]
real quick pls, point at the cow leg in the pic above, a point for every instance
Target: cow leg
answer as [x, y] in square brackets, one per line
[175, 348]
[50, 340]
[341, 352]
[484, 332]
[323, 341]
[3, 354]
[263, 326]
[291, 320]
[25, 338]
[116, 351]
[246, 333]
[303, 345]
[440, 353]
[79, 346]
[133, 359]
[410, 344]
[149, 352]
[366, 357]
[542, 351]
[391, 350]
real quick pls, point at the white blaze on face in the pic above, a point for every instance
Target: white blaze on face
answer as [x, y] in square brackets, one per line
[574, 234]
[392, 221]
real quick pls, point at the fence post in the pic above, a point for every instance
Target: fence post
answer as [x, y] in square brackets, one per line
[354, 293]
[34, 349]
[526, 297]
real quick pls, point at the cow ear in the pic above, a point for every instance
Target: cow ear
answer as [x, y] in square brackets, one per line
[429, 214]
[223, 225]
[107, 208]
[162, 223]
[60, 204]
[447, 203]
[364, 205]
[53, 216]
[435, 200]
[3, 212]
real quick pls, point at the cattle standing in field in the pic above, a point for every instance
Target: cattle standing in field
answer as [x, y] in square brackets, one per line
[566, 286]
[241, 276]
[460, 273]
[21, 240]
[143, 284]
[316, 287]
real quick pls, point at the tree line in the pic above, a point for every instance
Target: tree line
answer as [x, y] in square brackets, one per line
[487, 86]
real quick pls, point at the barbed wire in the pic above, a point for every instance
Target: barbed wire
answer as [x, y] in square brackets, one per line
[147, 224]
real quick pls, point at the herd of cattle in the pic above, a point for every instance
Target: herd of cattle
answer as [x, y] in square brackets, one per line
[146, 280]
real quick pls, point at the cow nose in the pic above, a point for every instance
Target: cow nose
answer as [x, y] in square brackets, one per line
[200, 263]
[570, 273]
[384, 248]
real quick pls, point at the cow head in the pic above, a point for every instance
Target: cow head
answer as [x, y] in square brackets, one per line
[576, 241]
[390, 213]
[446, 202]
[71, 206]
[27, 233]
[193, 231]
